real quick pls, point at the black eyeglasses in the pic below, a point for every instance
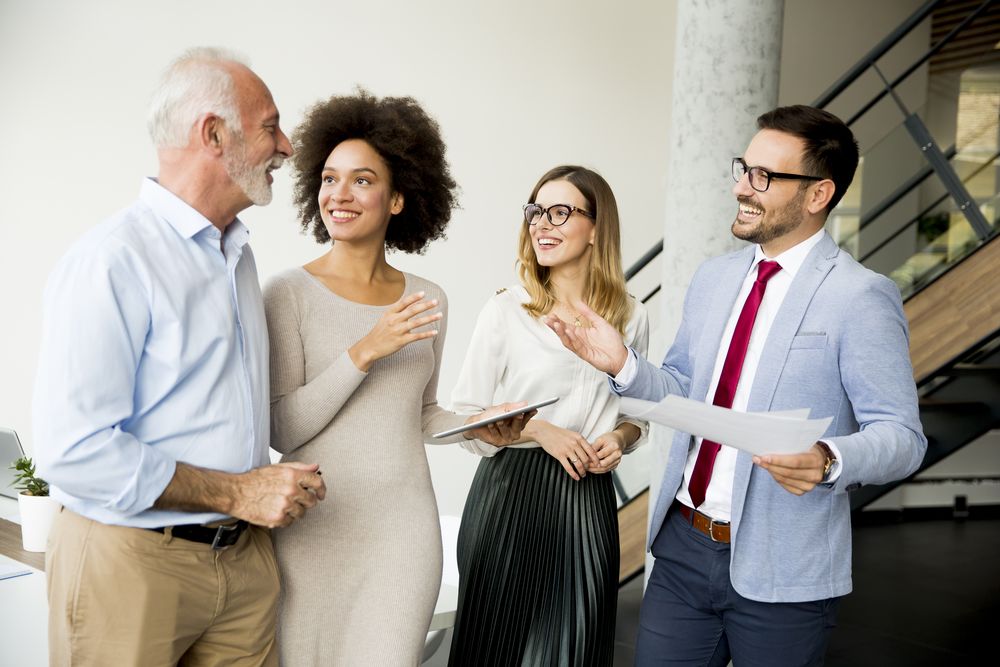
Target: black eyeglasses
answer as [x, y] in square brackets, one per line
[760, 178]
[557, 214]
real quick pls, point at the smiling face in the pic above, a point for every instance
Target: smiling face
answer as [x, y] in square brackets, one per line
[356, 199]
[259, 146]
[571, 243]
[766, 217]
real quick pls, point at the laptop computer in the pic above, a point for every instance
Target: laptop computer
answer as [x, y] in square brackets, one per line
[10, 451]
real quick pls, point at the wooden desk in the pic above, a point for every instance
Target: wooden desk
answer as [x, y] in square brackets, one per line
[10, 546]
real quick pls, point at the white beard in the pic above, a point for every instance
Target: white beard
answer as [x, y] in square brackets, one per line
[252, 179]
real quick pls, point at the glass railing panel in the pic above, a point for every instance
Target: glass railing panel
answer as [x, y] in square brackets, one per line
[964, 107]
[885, 167]
[944, 238]
[842, 224]
[634, 470]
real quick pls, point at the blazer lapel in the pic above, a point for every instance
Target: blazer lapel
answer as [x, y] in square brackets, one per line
[786, 323]
[814, 270]
[728, 283]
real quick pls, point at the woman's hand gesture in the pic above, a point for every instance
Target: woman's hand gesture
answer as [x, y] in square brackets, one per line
[571, 449]
[395, 330]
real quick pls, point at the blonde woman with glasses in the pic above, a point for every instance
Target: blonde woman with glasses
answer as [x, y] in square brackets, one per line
[538, 547]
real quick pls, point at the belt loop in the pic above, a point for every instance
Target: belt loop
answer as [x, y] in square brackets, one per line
[168, 535]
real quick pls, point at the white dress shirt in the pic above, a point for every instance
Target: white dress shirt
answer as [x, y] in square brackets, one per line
[154, 350]
[718, 497]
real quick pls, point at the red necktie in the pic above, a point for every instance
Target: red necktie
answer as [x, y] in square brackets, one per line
[730, 378]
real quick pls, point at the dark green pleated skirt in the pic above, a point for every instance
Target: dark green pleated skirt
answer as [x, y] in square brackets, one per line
[538, 559]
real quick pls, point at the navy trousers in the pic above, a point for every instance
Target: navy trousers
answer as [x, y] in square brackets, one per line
[692, 615]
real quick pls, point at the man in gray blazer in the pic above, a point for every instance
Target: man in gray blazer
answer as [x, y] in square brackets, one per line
[753, 553]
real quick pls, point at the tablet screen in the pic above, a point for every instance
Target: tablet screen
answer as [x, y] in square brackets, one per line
[495, 418]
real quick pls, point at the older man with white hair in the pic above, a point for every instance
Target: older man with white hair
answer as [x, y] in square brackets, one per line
[151, 406]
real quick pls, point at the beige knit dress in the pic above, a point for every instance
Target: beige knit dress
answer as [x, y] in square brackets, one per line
[360, 572]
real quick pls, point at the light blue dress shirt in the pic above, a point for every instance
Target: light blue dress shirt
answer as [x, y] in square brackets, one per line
[154, 350]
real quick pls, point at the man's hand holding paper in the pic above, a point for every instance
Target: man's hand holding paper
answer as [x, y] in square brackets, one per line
[797, 473]
[765, 435]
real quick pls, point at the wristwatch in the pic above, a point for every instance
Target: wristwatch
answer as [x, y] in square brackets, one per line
[831, 459]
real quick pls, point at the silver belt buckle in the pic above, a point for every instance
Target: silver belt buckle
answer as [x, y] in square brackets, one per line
[712, 523]
[219, 532]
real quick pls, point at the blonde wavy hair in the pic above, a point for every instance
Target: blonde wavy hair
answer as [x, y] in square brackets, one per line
[605, 290]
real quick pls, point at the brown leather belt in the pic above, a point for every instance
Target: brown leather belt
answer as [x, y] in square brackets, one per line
[718, 531]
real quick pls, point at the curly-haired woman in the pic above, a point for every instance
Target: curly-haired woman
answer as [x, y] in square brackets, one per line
[355, 355]
[538, 548]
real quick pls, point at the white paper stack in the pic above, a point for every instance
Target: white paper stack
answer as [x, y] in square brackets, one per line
[789, 432]
[10, 568]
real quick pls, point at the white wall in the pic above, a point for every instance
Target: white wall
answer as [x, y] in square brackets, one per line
[518, 86]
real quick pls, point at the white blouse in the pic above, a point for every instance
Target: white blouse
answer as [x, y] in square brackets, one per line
[513, 356]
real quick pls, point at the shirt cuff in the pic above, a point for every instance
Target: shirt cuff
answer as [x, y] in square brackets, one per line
[628, 372]
[835, 469]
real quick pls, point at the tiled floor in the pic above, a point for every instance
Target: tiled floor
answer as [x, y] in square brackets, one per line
[925, 593]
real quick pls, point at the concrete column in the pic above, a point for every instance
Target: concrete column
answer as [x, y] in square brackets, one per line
[726, 65]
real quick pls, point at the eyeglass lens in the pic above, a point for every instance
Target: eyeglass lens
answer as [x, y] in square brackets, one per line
[557, 214]
[759, 177]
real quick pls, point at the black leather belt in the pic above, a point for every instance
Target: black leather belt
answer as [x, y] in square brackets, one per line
[219, 537]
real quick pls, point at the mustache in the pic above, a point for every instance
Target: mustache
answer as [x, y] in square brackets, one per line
[743, 199]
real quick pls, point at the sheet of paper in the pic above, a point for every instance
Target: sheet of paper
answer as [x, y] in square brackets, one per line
[786, 432]
[11, 568]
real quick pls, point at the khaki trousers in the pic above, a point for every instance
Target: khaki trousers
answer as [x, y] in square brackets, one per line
[128, 596]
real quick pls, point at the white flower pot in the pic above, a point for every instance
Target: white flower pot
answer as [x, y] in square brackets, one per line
[37, 514]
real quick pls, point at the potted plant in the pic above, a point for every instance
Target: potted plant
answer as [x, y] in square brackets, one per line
[37, 509]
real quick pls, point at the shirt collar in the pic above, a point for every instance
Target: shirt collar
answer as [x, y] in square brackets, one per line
[185, 220]
[791, 260]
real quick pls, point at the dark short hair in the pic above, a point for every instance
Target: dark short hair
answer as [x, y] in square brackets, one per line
[405, 137]
[831, 151]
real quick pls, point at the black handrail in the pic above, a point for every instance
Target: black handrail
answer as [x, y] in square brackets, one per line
[877, 52]
[651, 294]
[900, 192]
[641, 263]
[920, 61]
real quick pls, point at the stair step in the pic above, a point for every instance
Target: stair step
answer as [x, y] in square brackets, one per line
[944, 405]
[971, 369]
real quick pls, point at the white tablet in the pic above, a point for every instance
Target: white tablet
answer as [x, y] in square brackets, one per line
[495, 418]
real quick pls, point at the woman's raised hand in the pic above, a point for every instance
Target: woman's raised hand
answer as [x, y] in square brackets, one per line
[395, 330]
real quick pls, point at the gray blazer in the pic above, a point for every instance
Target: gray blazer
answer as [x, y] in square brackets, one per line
[839, 345]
